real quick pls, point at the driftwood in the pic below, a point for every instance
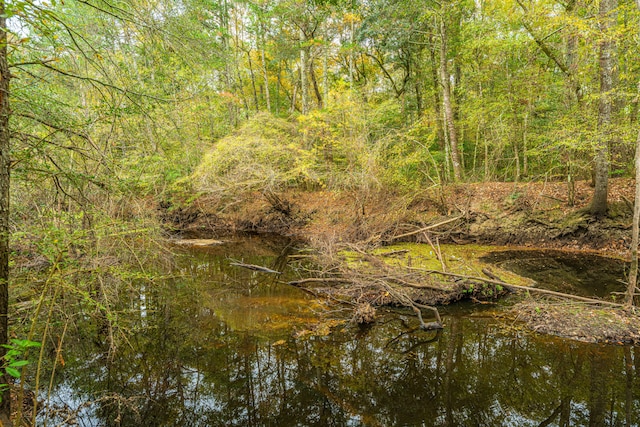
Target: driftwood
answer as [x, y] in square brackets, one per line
[414, 285]
[491, 275]
[254, 267]
[408, 302]
[423, 229]
[319, 280]
[436, 250]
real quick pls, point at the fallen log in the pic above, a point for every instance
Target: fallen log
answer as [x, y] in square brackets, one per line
[319, 280]
[491, 275]
[415, 285]
[254, 267]
[384, 284]
[355, 281]
[520, 287]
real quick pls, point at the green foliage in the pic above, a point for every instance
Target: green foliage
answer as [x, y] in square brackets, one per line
[13, 358]
[337, 137]
[410, 157]
[114, 105]
[323, 149]
[15, 351]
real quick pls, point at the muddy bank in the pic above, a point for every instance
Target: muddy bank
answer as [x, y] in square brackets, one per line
[579, 322]
[525, 214]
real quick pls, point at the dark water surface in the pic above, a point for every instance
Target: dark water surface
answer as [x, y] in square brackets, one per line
[217, 348]
[576, 273]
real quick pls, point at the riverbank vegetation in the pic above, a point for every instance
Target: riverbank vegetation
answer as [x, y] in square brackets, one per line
[361, 123]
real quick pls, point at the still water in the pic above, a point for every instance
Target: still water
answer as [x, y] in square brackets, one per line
[577, 273]
[225, 346]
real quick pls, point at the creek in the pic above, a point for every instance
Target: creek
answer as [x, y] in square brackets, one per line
[576, 273]
[219, 345]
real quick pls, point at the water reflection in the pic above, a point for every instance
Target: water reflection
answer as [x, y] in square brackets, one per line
[571, 272]
[195, 364]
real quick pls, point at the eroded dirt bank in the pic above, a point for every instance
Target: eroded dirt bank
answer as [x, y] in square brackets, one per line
[527, 214]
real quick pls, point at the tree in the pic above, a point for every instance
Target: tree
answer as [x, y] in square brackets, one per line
[635, 227]
[607, 61]
[446, 98]
[5, 135]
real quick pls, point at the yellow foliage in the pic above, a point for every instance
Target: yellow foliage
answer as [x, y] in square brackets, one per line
[351, 18]
[264, 154]
[337, 136]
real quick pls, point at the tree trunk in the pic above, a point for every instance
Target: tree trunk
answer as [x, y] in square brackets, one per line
[351, 56]
[303, 74]
[292, 109]
[417, 84]
[635, 229]
[265, 73]
[436, 95]
[633, 271]
[228, 79]
[253, 82]
[236, 65]
[486, 160]
[314, 81]
[325, 66]
[607, 62]
[5, 405]
[265, 76]
[277, 94]
[448, 108]
[571, 57]
[525, 128]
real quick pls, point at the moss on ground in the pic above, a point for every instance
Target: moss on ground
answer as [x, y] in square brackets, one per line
[458, 259]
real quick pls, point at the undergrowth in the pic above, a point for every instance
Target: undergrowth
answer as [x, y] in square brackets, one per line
[74, 273]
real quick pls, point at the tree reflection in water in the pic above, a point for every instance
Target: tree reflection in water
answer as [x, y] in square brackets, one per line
[190, 362]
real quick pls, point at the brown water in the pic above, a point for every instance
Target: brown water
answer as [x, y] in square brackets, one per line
[224, 346]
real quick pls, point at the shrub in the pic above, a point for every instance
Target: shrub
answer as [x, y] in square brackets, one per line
[265, 153]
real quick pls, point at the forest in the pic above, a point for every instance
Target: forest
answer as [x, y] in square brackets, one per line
[123, 122]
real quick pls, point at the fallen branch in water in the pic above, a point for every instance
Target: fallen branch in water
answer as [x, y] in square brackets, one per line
[385, 284]
[254, 267]
[436, 250]
[415, 285]
[491, 275]
[520, 287]
[319, 280]
[405, 300]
